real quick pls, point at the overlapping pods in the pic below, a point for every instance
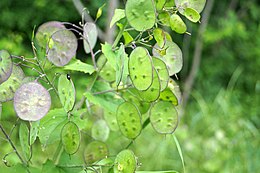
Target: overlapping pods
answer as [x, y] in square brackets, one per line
[164, 117]
[66, 92]
[140, 68]
[32, 101]
[6, 66]
[70, 137]
[197, 5]
[9, 87]
[140, 14]
[125, 162]
[129, 120]
[62, 47]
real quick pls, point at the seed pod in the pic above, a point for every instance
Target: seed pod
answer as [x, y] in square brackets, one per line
[163, 73]
[90, 36]
[95, 151]
[32, 101]
[164, 117]
[6, 66]
[125, 162]
[140, 14]
[177, 24]
[70, 137]
[129, 120]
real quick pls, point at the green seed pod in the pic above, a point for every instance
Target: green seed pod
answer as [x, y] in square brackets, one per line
[8, 88]
[140, 68]
[70, 137]
[95, 151]
[129, 120]
[140, 14]
[32, 101]
[110, 118]
[177, 24]
[45, 32]
[90, 36]
[100, 130]
[62, 47]
[159, 36]
[192, 15]
[164, 18]
[153, 92]
[6, 66]
[163, 73]
[164, 117]
[125, 162]
[168, 95]
[66, 92]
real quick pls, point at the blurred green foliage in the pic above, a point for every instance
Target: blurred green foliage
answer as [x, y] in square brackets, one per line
[219, 131]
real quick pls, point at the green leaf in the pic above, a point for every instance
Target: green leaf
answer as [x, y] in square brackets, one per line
[108, 72]
[49, 166]
[179, 151]
[70, 137]
[159, 4]
[34, 130]
[125, 162]
[157, 172]
[140, 14]
[177, 24]
[8, 88]
[127, 37]
[77, 65]
[100, 130]
[192, 15]
[6, 65]
[109, 54]
[129, 120]
[140, 68]
[164, 18]
[118, 15]
[67, 93]
[164, 117]
[99, 12]
[90, 35]
[51, 126]
[24, 140]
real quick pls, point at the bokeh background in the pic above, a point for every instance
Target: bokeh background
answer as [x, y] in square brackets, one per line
[220, 121]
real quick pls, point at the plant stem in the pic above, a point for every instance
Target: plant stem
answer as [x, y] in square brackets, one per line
[13, 146]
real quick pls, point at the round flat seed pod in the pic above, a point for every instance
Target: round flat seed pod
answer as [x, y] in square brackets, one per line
[164, 18]
[100, 130]
[32, 101]
[198, 5]
[46, 30]
[153, 92]
[163, 73]
[140, 68]
[140, 14]
[177, 24]
[110, 118]
[129, 120]
[70, 137]
[62, 47]
[6, 65]
[172, 57]
[175, 88]
[132, 95]
[8, 88]
[164, 117]
[192, 15]
[90, 35]
[66, 92]
[108, 73]
[168, 95]
[95, 151]
[125, 162]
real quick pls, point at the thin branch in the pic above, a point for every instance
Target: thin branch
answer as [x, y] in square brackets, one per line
[80, 8]
[197, 54]
[110, 32]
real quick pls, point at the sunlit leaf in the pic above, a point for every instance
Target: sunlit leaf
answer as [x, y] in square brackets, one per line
[77, 65]
[109, 54]
[118, 15]
[34, 130]
[24, 140]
